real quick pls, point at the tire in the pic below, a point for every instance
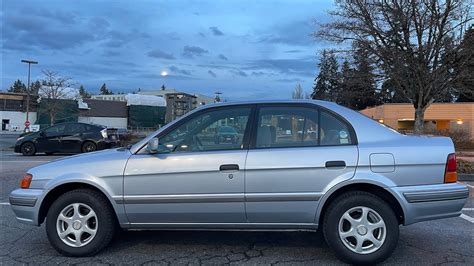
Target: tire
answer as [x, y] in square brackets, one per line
[28, 149]
[88, 146]
[101, 223]
[384, 235]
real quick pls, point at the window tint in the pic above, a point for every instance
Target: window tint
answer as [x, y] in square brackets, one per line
[334, 131]
[287, 127]
[213, 130]
[55, 130]
[74, 128]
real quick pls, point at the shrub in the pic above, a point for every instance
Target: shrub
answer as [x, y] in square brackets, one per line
[461, 137]
[465, 167]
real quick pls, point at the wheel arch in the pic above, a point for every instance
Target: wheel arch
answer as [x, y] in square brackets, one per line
[372, 188]
[60, 189]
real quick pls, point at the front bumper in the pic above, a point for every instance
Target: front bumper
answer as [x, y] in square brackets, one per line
[430, 202]
[26, 203]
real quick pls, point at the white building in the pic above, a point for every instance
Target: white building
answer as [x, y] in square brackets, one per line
[13, 111]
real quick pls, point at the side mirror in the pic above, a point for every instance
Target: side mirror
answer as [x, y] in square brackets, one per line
[152, 146]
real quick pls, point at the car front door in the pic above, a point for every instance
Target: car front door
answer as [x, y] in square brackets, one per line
[49, 140]
[193, 178]
[297, 152]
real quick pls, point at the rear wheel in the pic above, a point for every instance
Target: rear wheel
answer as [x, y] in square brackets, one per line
[28, 149]
[361, 228]
[88, 146]
[80, 223]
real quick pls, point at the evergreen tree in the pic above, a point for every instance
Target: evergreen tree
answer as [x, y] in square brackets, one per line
[326, 86]
[364, 87]
[17, 87]
[84, 93]
[104, 90]
[464, 87]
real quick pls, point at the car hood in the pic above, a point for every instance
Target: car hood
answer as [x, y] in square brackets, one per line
[100, 164]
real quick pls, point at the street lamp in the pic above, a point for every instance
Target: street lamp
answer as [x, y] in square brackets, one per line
[27, 122]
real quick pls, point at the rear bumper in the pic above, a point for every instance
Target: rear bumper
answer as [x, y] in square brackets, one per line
[430, 202]
[25, 203]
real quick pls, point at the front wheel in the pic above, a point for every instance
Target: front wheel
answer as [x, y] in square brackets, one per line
[80, 223]
[361, 228]
[28, 149]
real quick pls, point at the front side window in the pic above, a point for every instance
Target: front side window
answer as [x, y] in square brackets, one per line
[213, 130]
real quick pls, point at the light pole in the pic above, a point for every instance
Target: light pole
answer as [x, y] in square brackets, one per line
[27, 122]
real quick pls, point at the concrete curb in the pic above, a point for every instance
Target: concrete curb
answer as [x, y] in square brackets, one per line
[466, 177]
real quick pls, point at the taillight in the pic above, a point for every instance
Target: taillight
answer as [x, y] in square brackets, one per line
[104, 133]
[26, 181]
[450, 176]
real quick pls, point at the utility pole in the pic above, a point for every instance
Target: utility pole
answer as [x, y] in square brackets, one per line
[27, 122]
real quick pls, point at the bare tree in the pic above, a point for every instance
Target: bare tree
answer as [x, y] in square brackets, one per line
[412, 42]
[54, 88]
[298, 92]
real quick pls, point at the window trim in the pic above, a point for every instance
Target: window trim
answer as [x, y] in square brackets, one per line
[245, 139]
[317, 107]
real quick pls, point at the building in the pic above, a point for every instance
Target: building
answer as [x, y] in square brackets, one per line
[439, 116]
[200, 98]
[111, 114]
[110, 97]
[178, 104]
[13, 111]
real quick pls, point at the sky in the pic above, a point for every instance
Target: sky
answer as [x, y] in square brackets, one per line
[243, 49]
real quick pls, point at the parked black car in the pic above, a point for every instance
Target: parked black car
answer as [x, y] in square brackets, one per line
[66, 138]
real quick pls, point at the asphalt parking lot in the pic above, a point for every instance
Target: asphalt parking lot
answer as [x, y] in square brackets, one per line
[435, 242]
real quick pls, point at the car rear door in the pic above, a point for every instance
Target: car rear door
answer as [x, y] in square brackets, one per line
[72, 138]
[193, 179]
[297, 153]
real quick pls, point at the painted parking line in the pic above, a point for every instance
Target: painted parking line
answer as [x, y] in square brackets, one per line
[467, 218]
[468, 209]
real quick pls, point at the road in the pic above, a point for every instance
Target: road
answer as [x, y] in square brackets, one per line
[435, 242]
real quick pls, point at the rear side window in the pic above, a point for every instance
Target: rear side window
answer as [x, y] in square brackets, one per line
[333, 131]
[74, 128]
[287, 127]
[299, 127]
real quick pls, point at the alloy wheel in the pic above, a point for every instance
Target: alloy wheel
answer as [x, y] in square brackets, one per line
[362, 230]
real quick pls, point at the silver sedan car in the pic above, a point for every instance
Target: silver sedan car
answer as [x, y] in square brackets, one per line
[292, 165]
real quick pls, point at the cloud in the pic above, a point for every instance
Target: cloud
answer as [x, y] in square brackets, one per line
[293, 51]
[192, 51]
[215, 31]
[292, 33]
[258, 73]
[302, 67]
[202, 35]
[175, 69]
[221, 56]
[157, 53]
[210, 72]
[239, 73]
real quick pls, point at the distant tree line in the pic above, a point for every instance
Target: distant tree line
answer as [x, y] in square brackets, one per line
[411, 51]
